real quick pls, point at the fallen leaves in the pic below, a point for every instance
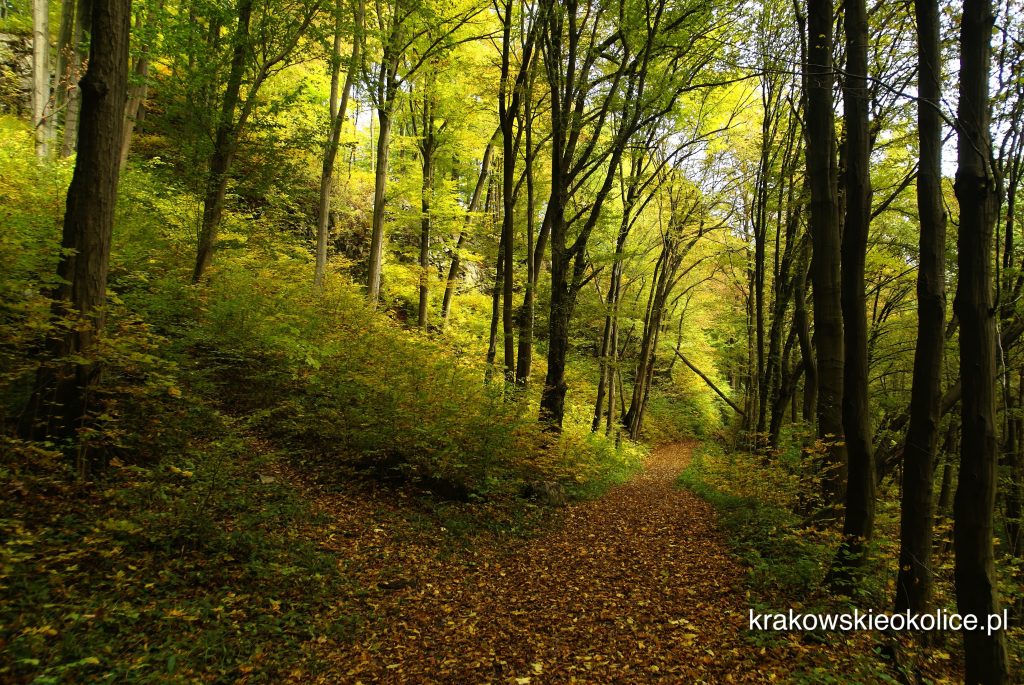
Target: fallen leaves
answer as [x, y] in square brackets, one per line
[633, 587]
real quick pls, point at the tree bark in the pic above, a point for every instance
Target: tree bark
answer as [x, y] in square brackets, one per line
[859, 515]
[79, 40]
[136, 93]
[914, 580]
[339, 110]
[976, 591]
[61, 400]
[825, 260]
[41, 76]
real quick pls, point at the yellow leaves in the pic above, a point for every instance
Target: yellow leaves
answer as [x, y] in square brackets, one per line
[174, 391]
[180, 472]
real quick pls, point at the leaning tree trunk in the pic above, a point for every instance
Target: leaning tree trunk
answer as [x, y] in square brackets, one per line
[61, 398]
[975, 575]
[914, 581]
[453, 271]
[223, 146]
[339, 109]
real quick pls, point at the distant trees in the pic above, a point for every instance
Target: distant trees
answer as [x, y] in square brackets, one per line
[409, 34]
[41, 76]
[263, 40]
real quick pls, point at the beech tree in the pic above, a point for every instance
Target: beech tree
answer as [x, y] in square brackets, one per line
[976, 591]
[594, 58]
[859, 513]
[819, 128]
[914, 582]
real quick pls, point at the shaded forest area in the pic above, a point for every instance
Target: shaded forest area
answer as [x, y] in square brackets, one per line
[312, 309]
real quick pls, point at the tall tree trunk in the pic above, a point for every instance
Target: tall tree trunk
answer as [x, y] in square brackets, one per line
[428, 146]
[65, 47]
[859, 515]
[41, 76]
[223, 146]
[482, 182]
[496, 291]
[975, 576]
[914, 581]
[136, 91]
[79, 41]
[524, 357]
[387, 90]
[61, 398]
[825, 260]
[339, 111]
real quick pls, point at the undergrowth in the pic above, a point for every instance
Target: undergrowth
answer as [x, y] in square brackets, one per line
[178, 561]
[765, 506]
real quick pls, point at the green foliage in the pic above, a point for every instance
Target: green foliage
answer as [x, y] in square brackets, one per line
[756, 505]
[184, 568]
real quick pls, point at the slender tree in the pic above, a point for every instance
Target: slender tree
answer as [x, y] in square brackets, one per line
[914, 582]
[263, 53]
[401, 26]
[41, 76]
[824, 229]
[338, 111]
[859, 513]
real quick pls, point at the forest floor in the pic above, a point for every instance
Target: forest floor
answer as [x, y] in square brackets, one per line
[636, 586]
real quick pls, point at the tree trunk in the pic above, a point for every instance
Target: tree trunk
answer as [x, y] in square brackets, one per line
[859, 515]
[384, 117]
[79, 40]
[339, 111]
[223, 146]
[825, 260]
[975, 576]
[914, 581]
[62, 396]
[524, 358]
[136, 95]
[809, 399]
[428, 145]
[474, 203]
[62, 80]
[41, 76]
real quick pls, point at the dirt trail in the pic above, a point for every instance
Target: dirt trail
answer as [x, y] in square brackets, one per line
[634, 587]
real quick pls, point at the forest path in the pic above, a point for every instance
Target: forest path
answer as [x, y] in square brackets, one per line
[633, 587]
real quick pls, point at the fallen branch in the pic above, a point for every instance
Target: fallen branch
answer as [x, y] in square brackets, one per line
[710, 384]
